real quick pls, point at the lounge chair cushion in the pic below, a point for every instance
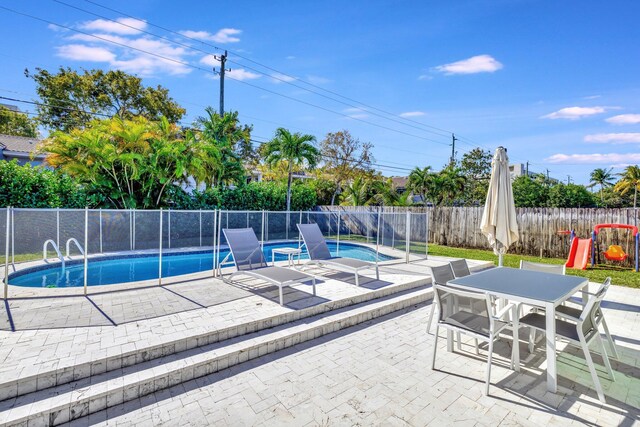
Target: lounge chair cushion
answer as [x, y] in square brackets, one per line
[282, 275]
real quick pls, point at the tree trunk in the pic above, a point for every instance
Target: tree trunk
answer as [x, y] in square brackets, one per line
[335, 193]
[289, 187]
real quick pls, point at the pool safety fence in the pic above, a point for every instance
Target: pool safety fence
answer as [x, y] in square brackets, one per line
[59, 236]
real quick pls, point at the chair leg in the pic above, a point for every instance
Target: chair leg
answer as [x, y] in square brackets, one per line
[434, 307]
[490, 359]
[357, 279]
[592, 369]
[459, 340]
[612, 344]
[605, 358]
[377, 273]
[281, 297]
[314, 286]
[435, 347]
[475, 340]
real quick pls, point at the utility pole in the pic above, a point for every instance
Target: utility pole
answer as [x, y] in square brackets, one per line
[548, 176]
[527, 169]
[568, 179]
[223, 61]
[453, 149]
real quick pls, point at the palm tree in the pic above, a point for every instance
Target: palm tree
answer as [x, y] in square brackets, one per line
[630, 179]
[603, 178]
[294, 149]
[419, 182]
[452, 183]
[220, 136]
[355, 194]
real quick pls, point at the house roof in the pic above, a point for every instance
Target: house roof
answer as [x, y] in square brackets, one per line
[18, 143]
[399, 181]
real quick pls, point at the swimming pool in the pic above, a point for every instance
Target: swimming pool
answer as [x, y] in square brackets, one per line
[134, 268]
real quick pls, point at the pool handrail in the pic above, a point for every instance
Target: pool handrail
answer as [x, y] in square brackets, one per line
[55, 248]
[74, 240]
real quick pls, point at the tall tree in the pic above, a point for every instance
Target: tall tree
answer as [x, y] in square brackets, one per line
[344, 157]
[529, 193]
[630, 180]
[71, 99]
[603, 178]
[475, 166]
[226, 142]
[295, 149]
[419, 182]
[17, 124]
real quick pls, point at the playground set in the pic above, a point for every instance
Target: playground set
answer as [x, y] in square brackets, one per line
[582, 249]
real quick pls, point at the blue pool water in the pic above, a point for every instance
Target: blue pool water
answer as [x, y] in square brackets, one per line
[137, 268]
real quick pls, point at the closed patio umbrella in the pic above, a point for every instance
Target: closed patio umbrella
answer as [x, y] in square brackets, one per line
[499, 216]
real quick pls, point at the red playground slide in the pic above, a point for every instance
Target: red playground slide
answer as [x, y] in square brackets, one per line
[579, 254]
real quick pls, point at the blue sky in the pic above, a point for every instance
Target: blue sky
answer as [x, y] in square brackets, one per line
[554, 82]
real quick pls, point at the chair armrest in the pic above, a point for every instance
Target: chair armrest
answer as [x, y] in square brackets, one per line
[504, 310]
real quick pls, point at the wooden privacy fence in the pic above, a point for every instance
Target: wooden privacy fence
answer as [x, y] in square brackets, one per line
[540, 228]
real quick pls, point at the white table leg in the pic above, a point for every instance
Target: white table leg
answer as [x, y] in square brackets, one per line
[552, 375]
[273, 258]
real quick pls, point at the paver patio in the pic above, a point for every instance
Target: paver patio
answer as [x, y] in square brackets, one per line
[378, 374]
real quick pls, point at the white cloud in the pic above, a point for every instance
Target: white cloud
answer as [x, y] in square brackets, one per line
[609, 158]
[80, 52]
[290, 57]
[412, 114]
[317, 80]
[120, 26]
[355, 113]
[241, 74]
[210, 60]
[593, 97]
[124, 55]
[574, 113]
[425, 77]
[475, 64]
[282, 78]
[225, 35]
[624, 119]
[614, 138]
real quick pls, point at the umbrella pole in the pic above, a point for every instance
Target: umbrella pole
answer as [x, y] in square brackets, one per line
[499, 260]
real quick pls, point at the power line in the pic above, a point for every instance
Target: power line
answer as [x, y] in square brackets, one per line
[286, 80]
[210, 72]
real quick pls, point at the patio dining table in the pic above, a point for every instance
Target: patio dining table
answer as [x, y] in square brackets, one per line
[538, 289]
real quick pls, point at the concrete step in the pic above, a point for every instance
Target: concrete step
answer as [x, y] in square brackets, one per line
[69, 371]
[71, 400]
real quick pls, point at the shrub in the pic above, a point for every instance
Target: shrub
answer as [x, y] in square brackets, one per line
[36, 187]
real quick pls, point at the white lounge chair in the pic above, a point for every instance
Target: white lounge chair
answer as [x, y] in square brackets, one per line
[319, 254]
[249, 260]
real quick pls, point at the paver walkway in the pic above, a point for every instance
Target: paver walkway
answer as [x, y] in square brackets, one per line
[379, 374]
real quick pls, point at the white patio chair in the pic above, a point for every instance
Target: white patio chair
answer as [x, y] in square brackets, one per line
[460, 267]
[572, 313]
[579, 333]
[440, 275]
[544, 268]
[249, 260]
[484, 326]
